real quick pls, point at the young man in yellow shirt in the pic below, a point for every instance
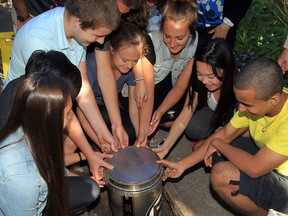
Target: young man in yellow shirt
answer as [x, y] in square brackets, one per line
[253, 180]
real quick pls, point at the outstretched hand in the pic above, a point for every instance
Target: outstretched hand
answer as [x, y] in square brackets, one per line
[173, 169]
[155, 120]
[97, 165]
[121, 137]
[141, 142]
[107, 146]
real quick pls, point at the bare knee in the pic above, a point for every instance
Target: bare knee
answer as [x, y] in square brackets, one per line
[217, 175]
[222, 174]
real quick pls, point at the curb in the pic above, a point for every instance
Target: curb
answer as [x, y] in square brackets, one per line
[178, 206]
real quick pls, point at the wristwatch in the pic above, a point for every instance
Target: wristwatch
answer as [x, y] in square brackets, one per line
[23, 19]
[228, 22]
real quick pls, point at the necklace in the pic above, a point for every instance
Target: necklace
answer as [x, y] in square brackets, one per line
[266, 127]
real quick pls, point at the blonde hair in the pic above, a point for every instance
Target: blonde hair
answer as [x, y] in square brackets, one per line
[178, 10]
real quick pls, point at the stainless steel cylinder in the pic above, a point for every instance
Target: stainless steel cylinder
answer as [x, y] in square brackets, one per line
[135, 184]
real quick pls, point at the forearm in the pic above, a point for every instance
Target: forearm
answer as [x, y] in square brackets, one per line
[75, 133]
[147, 109]
[72, 158]
[236, 156]
[137, 70]
[194, 157]
[133, 110]
[178, 127]
[110, 96]
[145, 114]
[140, 117]
[108, 86]
[20, 8]
[178, 90]
[264, 161]
[170, 100]
[87, 103]
[228, 133]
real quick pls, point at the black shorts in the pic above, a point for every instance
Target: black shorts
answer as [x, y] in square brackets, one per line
[269, 191]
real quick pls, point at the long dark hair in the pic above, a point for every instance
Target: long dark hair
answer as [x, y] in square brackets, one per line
[218, 55]
[57, 63]
[38, 109]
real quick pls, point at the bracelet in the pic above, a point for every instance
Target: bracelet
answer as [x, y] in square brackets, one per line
[79, 154]
[139, 79]
[228, 22]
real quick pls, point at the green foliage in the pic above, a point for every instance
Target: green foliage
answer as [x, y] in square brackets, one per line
[264, 28]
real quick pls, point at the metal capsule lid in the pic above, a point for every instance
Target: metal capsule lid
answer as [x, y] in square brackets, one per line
[135, 168]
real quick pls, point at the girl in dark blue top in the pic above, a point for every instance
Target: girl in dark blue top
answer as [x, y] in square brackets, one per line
[127, 45]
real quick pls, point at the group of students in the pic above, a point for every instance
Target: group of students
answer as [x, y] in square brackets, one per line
[169, 81]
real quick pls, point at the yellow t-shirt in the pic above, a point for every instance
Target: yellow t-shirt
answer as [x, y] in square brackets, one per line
[275, 137]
